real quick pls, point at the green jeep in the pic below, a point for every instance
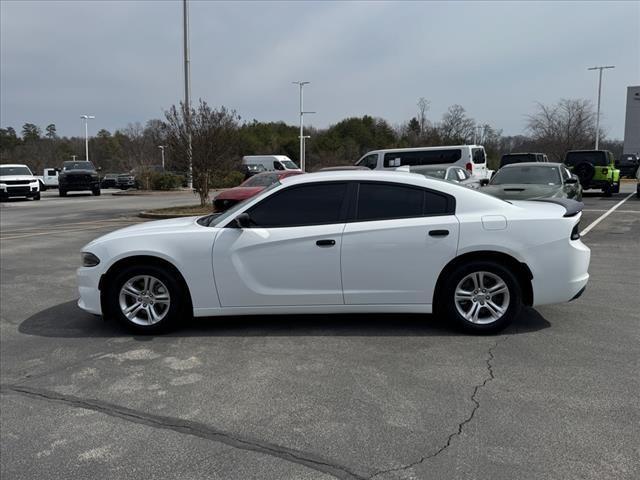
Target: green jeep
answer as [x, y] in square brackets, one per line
[594, 169]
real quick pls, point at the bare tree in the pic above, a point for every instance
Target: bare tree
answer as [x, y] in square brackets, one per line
[423, 108]
[456, 126]
[214, 142]
[567, 125]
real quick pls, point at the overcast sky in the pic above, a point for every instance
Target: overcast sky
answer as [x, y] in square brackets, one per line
[122, 61]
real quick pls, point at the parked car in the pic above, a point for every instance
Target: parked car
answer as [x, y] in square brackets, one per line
[109, 180]
[529, 181]
[452, 174]
[78, 176]
[638, 183]
[628, 164]
[270, 162]
[470, 157]
[252, 169]
[509, 158]
[341, 168]
[125, 181]
[249, 188]
[48, 179]
[338, 242]
[17, 181]
[595, 169]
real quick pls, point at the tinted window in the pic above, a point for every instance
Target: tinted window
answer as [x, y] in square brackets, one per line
[530, 174]
[478, 155]
[595, 157]
[301, 205]
[370, 161]
[426, 157]
[78, 166]
[277, 165]
[511, 158]
[380, 201]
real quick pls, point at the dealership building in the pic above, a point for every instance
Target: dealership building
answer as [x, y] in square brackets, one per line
[632, 121]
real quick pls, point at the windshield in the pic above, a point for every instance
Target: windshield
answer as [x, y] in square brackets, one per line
[598, 158]
[78, 166]
[533, 175]
[430, 172]
[289, 165]
[4, 171]
[218, 218]
[260, 180]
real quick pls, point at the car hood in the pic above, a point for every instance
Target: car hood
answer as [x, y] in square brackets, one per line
[4, 178]
[239, 193]
[158, 226]
[519, 191]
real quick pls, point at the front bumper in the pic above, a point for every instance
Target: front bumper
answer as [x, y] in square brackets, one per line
[88, 279]
[28, 190]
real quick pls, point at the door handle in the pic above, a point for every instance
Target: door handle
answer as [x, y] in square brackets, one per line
[438, 233]
[325, 243]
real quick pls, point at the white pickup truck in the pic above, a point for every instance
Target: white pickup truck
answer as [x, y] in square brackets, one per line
[18, 181]
[49, 178]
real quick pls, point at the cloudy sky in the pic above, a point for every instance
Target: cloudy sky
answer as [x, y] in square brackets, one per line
[122, 60]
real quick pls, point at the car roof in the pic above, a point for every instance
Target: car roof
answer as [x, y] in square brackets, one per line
[533, 164]
[418, 149]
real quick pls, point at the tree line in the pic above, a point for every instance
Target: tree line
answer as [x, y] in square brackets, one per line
[220, 137]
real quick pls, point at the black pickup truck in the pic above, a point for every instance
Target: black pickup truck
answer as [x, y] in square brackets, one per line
[78, 176]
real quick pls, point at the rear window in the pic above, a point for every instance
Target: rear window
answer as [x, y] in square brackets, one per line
[381, 201]
[425, 157]
[598, 158]
[478, 155]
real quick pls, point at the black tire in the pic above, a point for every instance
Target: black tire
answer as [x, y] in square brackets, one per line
[43, 187]
[37, 196]
[511, 301]
[178, 309]
[607, 190]
[616, 189]
[62, 192]
[96, 192]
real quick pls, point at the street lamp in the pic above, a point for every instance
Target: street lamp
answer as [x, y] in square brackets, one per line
[599, 91]
[86, 134]
[162, 147]
[187, 88]
[302, 135]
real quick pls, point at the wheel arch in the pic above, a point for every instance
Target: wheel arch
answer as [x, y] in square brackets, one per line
[139, 260]
[521, 271]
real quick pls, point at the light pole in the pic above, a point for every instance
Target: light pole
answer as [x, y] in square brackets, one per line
[599, 92]
[302, 113]
[86, 134]
[162, 147]
[187, 88]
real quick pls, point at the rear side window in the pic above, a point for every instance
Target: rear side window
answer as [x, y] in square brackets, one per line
[383, 201]
[478, 155]
[426, 157]
[301, 205]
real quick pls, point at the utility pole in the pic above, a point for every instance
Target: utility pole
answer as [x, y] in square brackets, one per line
[599, 93]
[86, 134]
[302, 114]
[162, 147]
[187, 88]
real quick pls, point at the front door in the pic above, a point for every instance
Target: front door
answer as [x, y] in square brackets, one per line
[290, 255]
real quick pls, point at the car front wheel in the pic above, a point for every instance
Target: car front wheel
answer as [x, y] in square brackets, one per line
[146, 299]
[482, 297]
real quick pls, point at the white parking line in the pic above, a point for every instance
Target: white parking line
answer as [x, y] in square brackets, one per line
[604, 215]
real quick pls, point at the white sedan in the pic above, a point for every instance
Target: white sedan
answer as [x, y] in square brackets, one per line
[343, 242]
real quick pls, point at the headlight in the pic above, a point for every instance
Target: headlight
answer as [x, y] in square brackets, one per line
[89, 259]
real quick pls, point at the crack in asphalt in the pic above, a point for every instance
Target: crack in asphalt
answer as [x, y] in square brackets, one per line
[461, 425]
[192, 428]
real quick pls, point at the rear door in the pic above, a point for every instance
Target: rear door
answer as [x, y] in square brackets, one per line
[479, 163]
[400, 239]
[291, 254]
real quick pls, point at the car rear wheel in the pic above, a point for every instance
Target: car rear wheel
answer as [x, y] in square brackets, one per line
[146, 299]
[482, 297]
[96, 191]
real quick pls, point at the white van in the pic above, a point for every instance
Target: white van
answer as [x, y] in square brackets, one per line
[470, 157]
[270, 162]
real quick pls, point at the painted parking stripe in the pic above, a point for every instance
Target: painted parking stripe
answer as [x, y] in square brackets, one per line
[604, 215]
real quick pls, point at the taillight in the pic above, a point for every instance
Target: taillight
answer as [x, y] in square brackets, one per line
[469, 167]
[575, 233]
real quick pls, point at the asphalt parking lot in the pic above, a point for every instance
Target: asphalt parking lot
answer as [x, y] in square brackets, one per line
[557, 395]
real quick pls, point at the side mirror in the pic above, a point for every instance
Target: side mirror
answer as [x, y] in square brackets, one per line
[573, 179]
[242, 221]
[484, 182]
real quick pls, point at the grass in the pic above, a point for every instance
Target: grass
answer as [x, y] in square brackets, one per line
[184, 210]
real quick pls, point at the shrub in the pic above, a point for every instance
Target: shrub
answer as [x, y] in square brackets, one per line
[165, 181]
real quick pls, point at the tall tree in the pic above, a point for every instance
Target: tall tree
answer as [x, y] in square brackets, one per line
[51, 131]
[456, 126]
[31, 132]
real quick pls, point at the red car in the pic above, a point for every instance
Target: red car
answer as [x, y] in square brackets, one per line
[249, 188]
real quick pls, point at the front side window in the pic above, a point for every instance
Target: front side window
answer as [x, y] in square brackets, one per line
[314, 204]
[370, 161]
[381, 201]
[277, 165]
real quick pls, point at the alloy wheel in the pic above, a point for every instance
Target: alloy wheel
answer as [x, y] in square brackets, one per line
[482, 297]
[144, 300]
